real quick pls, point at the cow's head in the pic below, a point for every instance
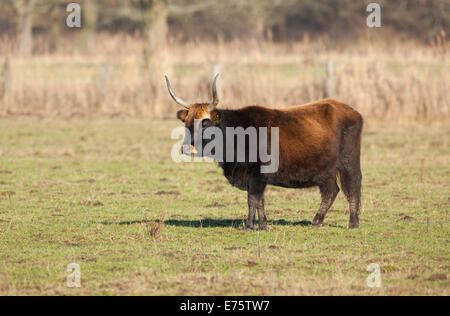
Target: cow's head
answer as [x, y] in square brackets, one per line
[196, 117]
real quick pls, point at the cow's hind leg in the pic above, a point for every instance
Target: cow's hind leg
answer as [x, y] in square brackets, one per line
[328, 191]
[350, 171]
[351, 185]
[256, 202]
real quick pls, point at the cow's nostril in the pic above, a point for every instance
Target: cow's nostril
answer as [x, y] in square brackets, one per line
[185, 149]
[188, 149]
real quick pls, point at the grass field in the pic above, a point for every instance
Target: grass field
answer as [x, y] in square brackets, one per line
[91, 192]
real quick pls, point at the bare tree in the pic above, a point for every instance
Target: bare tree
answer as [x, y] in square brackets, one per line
[90, 14]
[154, 49]
[25, 10]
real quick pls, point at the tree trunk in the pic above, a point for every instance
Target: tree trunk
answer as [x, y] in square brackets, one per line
[154, 63]
[25, 10]
[89, 23]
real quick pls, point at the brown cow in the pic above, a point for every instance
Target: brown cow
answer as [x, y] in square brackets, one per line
[318, 142]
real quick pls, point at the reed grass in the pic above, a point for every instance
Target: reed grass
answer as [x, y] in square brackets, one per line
[399, 82]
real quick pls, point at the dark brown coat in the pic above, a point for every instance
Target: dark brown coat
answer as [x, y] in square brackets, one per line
[317, 142]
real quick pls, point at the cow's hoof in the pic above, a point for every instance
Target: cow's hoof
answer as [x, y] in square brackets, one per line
[249, 227]
[263, 227]
[353, 225]
[318, 220]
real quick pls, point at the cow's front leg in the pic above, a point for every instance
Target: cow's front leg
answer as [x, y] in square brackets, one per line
[262, 214]
[251, 211]
[256, 202]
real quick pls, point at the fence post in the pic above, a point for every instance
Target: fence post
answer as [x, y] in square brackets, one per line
[5, 83]
[215, 71]
[104, 78]
[330, 79]
[101, 83]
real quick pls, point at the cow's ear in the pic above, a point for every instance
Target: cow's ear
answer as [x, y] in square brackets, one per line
[215, 117]
[181, 115]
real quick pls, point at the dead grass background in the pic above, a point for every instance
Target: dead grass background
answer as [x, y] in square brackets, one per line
[395, 80]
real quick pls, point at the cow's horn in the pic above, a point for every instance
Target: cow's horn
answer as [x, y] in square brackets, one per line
[215, 100]
[174, 97]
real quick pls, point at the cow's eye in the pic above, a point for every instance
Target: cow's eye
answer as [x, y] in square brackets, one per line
[206, 123]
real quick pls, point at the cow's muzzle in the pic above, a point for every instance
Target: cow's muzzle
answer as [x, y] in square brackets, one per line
[188, 149]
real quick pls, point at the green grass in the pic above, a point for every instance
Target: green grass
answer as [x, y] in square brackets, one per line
[85, 192]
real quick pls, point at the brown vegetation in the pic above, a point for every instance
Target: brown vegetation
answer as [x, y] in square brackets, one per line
[154, 228]
[402, 81]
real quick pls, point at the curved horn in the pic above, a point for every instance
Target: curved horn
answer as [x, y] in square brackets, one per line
[215, 100]
[174, 97]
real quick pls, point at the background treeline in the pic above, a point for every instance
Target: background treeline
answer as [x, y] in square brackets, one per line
[187, 20]
[275, 53]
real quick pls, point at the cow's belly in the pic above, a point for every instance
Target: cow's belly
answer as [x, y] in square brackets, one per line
[294, 184]
[298, 176]
[292, 179]
[294, 176]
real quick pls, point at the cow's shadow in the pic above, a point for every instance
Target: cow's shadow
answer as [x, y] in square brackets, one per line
[235, 223]
[213, 222]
